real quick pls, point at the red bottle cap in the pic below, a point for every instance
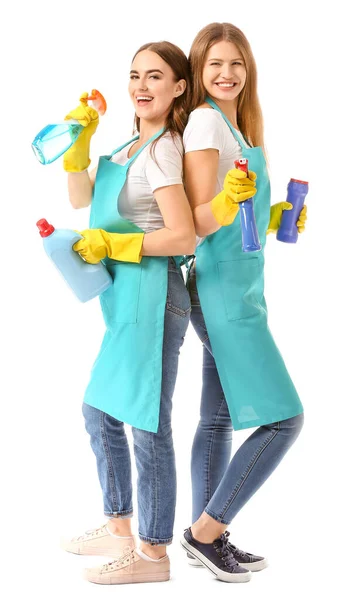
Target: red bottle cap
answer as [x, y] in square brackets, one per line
[299, 181]
[45, 228]
[241, 164]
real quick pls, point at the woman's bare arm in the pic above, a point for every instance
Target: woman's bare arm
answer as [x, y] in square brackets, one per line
[80, 188]
[178, 234]
[201, 168]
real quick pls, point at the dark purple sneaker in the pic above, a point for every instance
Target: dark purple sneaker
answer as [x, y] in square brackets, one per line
[245, 559]
[216, 557]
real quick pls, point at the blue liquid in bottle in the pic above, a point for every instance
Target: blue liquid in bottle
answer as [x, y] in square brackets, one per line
[250, 235]
[85, 280]
[53, 140]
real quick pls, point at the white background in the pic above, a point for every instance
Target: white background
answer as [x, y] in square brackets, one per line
[51, 53]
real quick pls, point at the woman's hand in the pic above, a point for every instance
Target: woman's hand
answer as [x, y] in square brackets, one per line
[76, 159]
[96, 244]
[276, 217]
[301, 223]
[238, 187]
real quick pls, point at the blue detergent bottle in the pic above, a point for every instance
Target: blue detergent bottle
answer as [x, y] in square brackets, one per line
[53, 140]
[86, 281]
[297, 192]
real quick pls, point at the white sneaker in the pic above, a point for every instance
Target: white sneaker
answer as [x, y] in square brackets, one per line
[99, 542]
[130, 568]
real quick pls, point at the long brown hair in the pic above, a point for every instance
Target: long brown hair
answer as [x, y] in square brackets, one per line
[181, 106]
[249, 114]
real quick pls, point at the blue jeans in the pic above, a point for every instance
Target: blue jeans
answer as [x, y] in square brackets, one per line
[154, 452]
[221, 486]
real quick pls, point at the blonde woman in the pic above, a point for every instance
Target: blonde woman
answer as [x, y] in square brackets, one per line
[245, 381]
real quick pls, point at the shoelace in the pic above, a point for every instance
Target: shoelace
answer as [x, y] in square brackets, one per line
[127, 556]
[221, 545]
[236, 550]
[89, 533]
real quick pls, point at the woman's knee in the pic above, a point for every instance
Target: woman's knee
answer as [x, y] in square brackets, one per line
[91, 416]
[215, 426]
[216, 418]
[293, 425]
[149, 441]
[290, 428]
[299, 421]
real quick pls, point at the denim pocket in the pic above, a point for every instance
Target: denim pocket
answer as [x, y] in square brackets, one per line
[241, 283]
[120, 301]
[178, 298]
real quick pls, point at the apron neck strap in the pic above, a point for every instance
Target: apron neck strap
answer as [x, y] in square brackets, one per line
[132, 159]
[124, 145]
[153, 138]
[234, 131]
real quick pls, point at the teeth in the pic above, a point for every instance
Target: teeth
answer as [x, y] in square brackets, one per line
[144, 98]
[226, 84]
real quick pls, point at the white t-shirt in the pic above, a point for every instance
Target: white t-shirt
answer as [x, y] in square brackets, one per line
[136, 201]
[206, 128]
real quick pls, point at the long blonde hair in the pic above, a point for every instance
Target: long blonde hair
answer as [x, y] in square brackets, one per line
[249, 114]
[181, 106]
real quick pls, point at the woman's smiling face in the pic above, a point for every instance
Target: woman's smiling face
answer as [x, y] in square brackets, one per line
[224, 72]
[152, 86]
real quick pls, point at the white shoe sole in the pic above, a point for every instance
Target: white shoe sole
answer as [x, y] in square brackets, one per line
[253, 567]
[222, 575]
[128, 578]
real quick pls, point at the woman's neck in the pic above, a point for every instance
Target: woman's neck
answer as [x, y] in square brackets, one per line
[229, 108]
[149, 128]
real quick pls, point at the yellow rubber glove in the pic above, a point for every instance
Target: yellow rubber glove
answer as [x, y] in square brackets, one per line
[276, 217]
[238, 186]
[97, 244]
[76, 159]
[301, 223]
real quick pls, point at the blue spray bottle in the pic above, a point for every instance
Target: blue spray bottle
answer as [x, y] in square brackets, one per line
[53, 140]
[250, 236]
[85, 280]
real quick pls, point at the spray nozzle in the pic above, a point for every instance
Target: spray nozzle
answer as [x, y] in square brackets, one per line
[98, 101]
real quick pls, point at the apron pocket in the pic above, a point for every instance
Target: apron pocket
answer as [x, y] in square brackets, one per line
[121, 300]
[241, 283]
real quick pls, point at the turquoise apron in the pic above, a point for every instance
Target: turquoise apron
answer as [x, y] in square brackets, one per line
[126, 377]
[230, 284]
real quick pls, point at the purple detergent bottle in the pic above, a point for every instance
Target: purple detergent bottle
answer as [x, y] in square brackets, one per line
[297, 192]
[85, 280]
